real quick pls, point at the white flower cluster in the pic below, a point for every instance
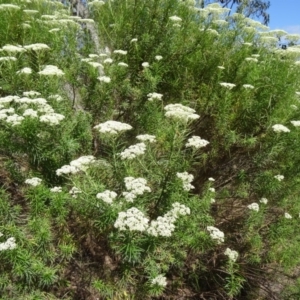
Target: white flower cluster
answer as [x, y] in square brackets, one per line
[287, 216]
[13, 49]
[186, 180]
[263, 200]
[227, 85]
[158, 57]
[74, 191]
[280, 128]
[196, 142]
[56, 189]
[296, 123]
[232, 254]
[164, 226]
[159, 280]
[10, 244]
[112, 127]
[133, 151]
[145, 64]
[253, 206]
[253, 59]
[56, 97]
[133, 220]
[135, 186]
[107, 196]
[279, 177]
[14, 119]
[180, 112]
[216, 234]
[52, 118]
[122, 64]
[77, 165]
[175, 19]
[122, 52]
[31, 94]
[34, 181]
[95, 64]
[146, 138]
[9, 6]
[107, 61]
[51, 71]
[37, 47]
[248, 86]
[154, 96]
[26, 71]
[8, 58]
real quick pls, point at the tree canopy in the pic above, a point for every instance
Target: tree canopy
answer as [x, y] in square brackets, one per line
[250, 8]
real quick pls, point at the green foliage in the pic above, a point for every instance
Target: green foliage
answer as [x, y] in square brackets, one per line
[87, 212]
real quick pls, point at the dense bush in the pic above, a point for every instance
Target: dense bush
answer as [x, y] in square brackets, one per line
[159, 164]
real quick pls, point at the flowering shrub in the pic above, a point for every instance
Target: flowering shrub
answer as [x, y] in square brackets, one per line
[140, 145]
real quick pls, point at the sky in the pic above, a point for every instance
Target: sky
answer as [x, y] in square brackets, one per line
[285, 14]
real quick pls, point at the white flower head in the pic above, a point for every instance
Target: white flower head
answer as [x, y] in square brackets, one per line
[129, 196]
[13, 49]
[196, 142]
[107, 196]
[133, 151]
[227, 85]
[37, 47]
[122, 64]
[52, 118]
[74, 191]
[159, 280]
[186, 179]
[122, 52]
[216, 234]
[287, 216]
[180, 112]
[296, 123]
[136, 186]
[34, 181]
[158, 57]
[105, 79]
[145, 65]
[211, 179]
[280, 128]
[9, 244]
[248, 86]
[253, 59]
[31, 94]
[263, 200]
[30, 113]
[134, 40]
[254, 206]
[56, 189]
[213, 190]
[154, 96]
[25, 71]
[51, 71]
[112, 127]
[175, 19]
[279, 177]
[108, 61]
[133, 220]
[232, 254]
[146, 138]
